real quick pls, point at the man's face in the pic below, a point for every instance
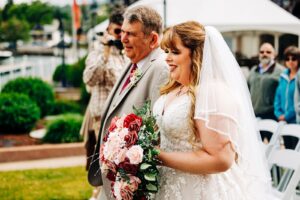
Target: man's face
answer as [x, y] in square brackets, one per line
[266, 54]
[114, 30]
[136, 43]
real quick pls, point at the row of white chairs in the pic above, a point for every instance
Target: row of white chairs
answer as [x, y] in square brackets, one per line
[285, 162]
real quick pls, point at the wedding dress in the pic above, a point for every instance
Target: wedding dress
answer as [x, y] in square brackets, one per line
[223, 103]
[176, 185]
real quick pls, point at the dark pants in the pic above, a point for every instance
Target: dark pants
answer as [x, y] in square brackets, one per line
[90, 147]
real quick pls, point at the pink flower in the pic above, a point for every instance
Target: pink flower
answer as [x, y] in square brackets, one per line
[135, 154]
[112, 125]
[120, 157]
[124, 190]
[123, 132]
[112, 146]
[120, 121]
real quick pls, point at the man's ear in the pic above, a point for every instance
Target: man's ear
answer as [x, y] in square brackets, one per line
[154, 40]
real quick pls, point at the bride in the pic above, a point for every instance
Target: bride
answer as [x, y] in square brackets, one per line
[209, 145]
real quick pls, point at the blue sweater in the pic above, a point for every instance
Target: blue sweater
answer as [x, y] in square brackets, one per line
[284, 98]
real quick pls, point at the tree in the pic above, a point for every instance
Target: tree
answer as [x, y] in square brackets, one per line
[14, 30]
[6, 9]
[35, 13]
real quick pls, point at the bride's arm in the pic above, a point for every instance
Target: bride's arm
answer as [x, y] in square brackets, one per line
[216, 155]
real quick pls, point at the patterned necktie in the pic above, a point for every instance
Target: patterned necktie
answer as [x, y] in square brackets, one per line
[133, 68]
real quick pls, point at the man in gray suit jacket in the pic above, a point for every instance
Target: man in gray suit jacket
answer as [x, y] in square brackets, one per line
[141, 31]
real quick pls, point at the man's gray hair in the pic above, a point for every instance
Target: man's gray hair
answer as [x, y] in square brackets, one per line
[150, 18]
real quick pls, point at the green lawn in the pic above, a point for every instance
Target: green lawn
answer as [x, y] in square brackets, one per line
[62, 183]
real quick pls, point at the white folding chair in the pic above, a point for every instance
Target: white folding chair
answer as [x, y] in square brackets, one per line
[289, 159]
[273, 127]
[288, 130]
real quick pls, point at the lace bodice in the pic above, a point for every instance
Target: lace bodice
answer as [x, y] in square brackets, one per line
[174, 121]
[175, 134]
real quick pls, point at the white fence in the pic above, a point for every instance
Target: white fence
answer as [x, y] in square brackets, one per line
[41, 67]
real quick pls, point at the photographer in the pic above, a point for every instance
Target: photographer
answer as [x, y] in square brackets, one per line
[103, 67]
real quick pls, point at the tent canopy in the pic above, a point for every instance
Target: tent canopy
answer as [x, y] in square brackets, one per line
[228, 15]
[225, 15]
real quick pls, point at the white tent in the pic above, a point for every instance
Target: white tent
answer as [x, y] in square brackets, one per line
[228, 15]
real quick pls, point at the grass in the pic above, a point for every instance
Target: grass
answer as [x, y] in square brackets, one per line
[43, 184]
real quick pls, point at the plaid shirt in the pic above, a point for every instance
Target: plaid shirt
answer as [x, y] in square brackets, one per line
[100, 76]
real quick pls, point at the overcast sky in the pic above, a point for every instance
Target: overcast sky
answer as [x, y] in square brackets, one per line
[55, 2]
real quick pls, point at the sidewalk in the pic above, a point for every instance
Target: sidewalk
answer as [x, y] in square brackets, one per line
[44, 163]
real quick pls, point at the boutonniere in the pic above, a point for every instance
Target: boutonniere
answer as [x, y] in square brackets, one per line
[135, 75]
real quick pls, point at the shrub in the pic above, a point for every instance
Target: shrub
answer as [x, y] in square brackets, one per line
[73, 73]
[18, 113]
[36, 89]
[64, 129]
[57, 75]
[77, 72]
[62, 106]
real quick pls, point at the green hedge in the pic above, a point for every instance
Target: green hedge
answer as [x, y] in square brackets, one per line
[18, 113]
[63, 106]
[36, 89]
[57, 75]
[64, 129]
[73, 73]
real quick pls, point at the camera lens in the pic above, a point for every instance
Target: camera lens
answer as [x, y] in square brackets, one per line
[117, 31]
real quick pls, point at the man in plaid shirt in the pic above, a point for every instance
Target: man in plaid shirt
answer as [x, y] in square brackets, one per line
[103, 67]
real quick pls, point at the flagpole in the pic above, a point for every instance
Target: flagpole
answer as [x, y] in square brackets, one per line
[74, 34]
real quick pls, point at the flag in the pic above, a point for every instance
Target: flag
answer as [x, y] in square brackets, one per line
[76, 15]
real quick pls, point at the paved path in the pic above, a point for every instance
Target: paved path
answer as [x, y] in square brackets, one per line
[44, 163]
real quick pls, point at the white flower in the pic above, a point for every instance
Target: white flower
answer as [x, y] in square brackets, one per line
[134, 76]
[135, 154]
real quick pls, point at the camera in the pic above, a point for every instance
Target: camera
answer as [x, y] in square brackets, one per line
[116, 43]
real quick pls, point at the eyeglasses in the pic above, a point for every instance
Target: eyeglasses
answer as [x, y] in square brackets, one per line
[267, 52]
[291, 58]
[117, 31]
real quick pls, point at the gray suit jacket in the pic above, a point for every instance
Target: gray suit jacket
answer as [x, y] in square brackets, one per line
[155, 73]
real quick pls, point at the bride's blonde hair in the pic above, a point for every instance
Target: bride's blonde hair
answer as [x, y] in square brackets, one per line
[192, 36]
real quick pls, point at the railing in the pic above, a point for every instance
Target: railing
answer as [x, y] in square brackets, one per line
[40, 67]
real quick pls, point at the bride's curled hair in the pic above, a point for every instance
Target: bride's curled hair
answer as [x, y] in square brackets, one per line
[192, 36]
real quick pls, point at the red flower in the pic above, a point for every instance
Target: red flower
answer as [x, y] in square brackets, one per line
[132, 122]
[112, 125]
[111, 175]
[131, 138]
[128, 168]
[105, 137]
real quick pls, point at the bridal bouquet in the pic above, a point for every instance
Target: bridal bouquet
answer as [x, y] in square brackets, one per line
[128, 156]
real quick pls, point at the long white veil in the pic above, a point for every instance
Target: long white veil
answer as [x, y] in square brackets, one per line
[223, 102]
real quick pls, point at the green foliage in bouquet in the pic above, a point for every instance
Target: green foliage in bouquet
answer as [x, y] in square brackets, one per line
[18, 113]
[36, 89]
[148, 139]
[64, 129]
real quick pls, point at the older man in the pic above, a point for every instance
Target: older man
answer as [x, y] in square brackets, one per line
[263, 80]
[141, 31]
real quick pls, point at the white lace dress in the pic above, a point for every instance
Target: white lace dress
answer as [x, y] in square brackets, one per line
[177, 185]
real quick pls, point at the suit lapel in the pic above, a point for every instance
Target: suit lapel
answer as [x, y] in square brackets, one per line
[154, 55]
[112, 95]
